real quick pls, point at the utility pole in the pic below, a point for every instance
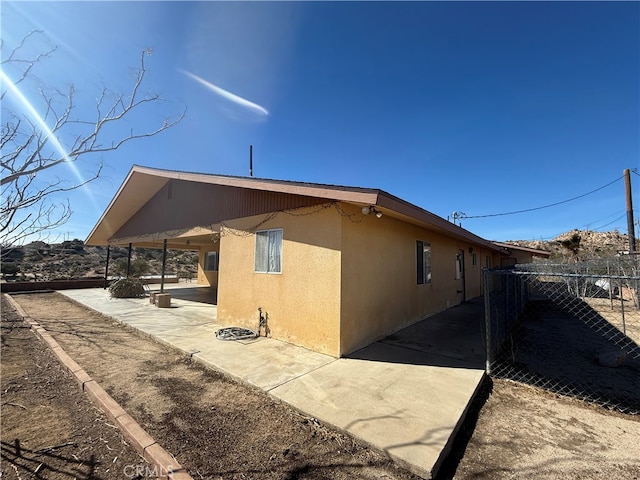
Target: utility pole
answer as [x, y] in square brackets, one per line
[630, 223]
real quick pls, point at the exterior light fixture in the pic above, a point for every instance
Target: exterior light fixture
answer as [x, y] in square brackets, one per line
[371, 209]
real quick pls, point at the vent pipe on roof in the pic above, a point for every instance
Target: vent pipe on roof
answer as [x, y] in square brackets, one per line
[251, 160]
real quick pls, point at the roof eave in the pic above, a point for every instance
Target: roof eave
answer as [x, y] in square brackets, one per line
[407, 209]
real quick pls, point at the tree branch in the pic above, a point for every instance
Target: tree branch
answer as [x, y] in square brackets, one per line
[28, 150]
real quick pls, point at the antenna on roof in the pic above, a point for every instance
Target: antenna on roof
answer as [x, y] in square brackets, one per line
[458, 215]
[251, 160]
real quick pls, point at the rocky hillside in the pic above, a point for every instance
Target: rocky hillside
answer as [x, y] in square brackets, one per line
[590, 245]
[72, 259]
[68, 260]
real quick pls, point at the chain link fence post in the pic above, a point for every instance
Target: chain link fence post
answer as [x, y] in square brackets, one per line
[487, 318]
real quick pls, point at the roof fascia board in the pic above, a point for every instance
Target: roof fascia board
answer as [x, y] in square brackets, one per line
[405, 208]
[354, 195]
[111, 204]
[363, 196]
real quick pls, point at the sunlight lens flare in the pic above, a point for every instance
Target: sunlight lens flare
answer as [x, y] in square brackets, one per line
[254, 107]
[40, 121]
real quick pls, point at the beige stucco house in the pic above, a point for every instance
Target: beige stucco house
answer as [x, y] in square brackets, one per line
[334, 267]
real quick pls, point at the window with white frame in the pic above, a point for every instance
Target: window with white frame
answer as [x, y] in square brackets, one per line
[268, 257]
[423, 262]
[211, 261]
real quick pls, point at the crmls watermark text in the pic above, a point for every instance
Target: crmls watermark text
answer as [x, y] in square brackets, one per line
[146, 471]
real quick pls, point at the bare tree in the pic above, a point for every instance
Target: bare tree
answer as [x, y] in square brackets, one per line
[33, 142]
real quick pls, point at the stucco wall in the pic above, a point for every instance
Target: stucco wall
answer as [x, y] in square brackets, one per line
[380, 293]
[345, 281]
[303, 302]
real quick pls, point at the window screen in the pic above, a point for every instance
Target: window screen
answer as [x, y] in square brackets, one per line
[268, 257]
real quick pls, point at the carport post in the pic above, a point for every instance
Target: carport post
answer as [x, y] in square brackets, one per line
[164, 264]
[106, 268]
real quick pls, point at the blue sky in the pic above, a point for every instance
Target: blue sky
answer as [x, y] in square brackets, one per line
[478, 107]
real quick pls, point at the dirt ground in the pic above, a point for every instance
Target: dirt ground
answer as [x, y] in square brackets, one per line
[220, 429]
[562, 348]
[49, 428]
[216, 427]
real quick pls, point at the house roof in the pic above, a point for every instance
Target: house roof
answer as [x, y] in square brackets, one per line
[142, 183]
[534, 251]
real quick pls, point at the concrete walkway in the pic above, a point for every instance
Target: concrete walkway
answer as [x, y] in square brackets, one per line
[405, 395]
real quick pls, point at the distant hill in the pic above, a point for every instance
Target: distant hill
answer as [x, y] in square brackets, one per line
[73, 260]
[592, 244]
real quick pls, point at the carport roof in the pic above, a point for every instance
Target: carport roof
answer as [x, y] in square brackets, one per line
[142, 183]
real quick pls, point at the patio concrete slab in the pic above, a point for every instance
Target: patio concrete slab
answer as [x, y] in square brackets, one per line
[404, 407]
[190, 326]
[454, 337]
[405, 395]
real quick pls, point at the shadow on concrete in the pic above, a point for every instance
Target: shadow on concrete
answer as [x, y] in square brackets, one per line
[453, 338]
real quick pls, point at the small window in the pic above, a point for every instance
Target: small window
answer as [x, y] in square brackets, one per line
[211, 261]
[488, 261]
[474, 259]
[423, 262]
[268, 257]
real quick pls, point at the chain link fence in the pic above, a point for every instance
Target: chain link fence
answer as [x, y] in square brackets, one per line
[571, 329]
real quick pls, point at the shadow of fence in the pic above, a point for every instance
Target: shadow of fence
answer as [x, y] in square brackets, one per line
[543, 331]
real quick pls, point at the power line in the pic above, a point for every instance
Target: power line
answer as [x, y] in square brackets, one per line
[551, 237]
[602, 218]
[613, 221]
[545, 206]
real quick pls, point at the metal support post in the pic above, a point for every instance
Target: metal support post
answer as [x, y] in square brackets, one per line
[164, 264]
[106, 268]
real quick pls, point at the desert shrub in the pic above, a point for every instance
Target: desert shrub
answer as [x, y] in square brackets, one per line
[139, 267]
[127, 288]
[10, 269]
